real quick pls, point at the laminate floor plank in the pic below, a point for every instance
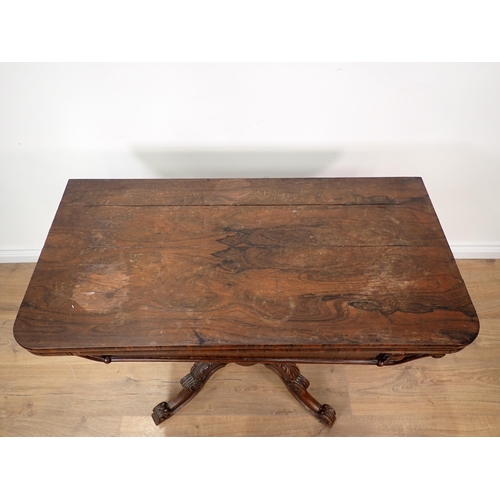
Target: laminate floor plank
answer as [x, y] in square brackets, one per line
[458, 395]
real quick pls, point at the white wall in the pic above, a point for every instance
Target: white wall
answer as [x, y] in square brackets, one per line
[438, 121]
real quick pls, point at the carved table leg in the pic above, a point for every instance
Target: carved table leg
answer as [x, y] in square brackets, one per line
[297, 384]
[191, 384]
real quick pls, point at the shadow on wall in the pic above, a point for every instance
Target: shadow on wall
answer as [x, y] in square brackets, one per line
[462, 180]
[212, 163]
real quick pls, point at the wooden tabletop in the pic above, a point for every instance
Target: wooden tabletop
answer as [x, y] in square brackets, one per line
[310, 270]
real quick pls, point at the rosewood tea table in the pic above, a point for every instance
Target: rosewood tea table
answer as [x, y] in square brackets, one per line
[271, 271]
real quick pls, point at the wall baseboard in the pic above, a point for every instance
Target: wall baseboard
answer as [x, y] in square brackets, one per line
[476, 251]
[20, 255]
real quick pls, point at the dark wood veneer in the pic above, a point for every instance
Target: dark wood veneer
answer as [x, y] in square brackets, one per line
[275, 271]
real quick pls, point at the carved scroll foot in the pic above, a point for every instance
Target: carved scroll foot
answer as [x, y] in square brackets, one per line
[297, 384]
[191, 384]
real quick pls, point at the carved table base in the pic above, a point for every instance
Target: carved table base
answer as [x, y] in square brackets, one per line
[297, 384]
[289, 373]
[192, 384]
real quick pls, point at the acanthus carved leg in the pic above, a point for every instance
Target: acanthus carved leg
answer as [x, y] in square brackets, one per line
[191, 384]
[297, 384]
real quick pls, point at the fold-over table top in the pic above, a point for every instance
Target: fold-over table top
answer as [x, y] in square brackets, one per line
[212, 264]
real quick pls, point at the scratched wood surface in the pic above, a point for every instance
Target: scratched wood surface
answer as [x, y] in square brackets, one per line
[290, 268]
[458, 395]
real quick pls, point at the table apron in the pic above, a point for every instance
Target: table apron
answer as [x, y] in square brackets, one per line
[379, 357]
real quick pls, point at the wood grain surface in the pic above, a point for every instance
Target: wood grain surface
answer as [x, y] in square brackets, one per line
[311, 270]
[458, 395]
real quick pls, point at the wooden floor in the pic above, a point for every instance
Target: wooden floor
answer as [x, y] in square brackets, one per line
[458, 395]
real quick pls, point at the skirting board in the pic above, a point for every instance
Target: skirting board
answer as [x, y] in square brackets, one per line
[476, 251]
[19, 255]
[459, 251]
